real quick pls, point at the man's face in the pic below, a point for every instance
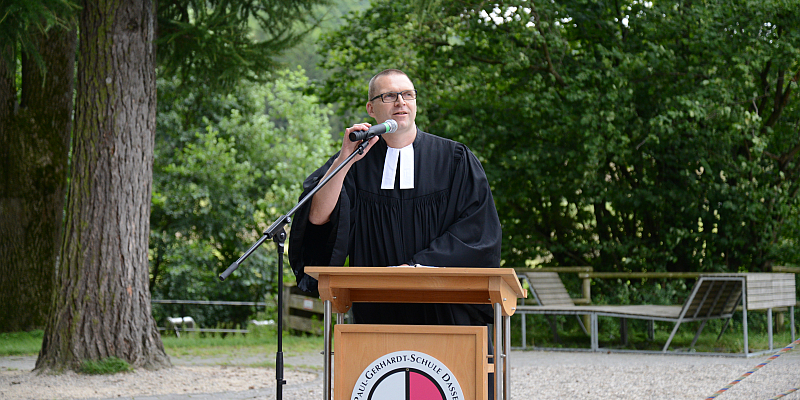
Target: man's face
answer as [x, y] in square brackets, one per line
[401, 110]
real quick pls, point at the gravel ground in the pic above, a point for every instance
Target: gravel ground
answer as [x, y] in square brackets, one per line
[534, 375]
[189, 376]
[178, 380]
[543, 375]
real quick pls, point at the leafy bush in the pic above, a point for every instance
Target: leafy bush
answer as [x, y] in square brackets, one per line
[226, 166]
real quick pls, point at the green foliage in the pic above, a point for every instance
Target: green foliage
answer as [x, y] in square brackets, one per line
[106, 366]
[226, 166]
[307, 53]
[640, 291]
[21, 21]
[630, 135]
[211, 41]
[207, 41]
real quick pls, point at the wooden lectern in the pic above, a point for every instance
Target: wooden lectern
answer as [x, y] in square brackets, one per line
[462, 349]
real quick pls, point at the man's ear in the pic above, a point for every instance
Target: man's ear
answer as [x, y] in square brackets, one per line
[370, 111]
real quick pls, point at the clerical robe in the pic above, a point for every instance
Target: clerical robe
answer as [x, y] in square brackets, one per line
[448, 219]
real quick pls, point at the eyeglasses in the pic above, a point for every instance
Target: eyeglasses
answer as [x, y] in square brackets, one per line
[391, 97]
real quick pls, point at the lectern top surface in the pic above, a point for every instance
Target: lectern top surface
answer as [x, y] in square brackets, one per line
[507, 275]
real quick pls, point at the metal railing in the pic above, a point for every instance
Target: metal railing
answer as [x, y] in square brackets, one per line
[179, 329]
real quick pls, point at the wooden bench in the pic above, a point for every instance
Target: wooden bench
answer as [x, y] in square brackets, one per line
[767, 291]
[548, 290]
[711, 298]
[301, 311]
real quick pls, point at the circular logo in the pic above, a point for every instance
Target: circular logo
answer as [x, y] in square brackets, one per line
[407, 375]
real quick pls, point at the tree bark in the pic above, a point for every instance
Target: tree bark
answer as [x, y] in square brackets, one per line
[102, 306]
[34, 149]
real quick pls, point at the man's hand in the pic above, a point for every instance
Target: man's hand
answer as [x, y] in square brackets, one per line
[325, 199]
[348, 147]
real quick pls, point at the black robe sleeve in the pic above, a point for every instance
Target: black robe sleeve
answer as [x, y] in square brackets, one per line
[473, 238]
[317, 245]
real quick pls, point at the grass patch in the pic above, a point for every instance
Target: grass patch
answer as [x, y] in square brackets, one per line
[260, 341]
[21, 343]
[106, 366]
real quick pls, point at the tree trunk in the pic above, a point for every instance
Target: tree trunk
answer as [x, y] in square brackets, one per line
[34, 149]
[102, 306]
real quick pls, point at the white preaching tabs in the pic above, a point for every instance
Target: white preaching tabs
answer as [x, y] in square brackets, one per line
[412, 266]
[406, 156]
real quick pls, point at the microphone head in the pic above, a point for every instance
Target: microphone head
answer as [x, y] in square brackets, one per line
[391, 125]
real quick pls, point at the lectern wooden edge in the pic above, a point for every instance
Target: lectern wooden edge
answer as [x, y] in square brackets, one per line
[339, 287]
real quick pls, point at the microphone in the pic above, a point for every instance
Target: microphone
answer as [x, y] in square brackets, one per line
[387, 127]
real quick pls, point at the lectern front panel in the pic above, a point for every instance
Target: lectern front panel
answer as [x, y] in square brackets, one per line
[410, 361]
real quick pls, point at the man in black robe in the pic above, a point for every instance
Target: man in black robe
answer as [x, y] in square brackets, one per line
[411, 199]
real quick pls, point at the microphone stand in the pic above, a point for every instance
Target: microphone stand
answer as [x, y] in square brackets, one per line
[277, 233]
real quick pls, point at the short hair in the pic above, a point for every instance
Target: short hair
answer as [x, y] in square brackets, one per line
[371, 91]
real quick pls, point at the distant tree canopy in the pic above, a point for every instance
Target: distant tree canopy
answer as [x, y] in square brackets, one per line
[226, 166]
[214, 42]
[627, 135]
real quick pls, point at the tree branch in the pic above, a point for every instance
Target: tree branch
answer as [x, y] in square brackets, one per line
[551, 67]
[764, 87]
[788, 156]
[781, 98]
[772, 156]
